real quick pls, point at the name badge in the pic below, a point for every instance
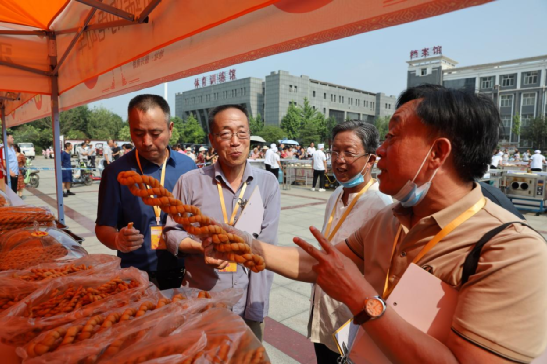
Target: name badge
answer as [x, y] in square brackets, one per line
[156, 238]
[230, 268]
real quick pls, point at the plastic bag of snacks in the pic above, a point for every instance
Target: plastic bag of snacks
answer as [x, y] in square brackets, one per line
[16, 217]
[227, 340]
[69, 298]
[118, 329]
[13, 291]
[28, 247]
[4, 200]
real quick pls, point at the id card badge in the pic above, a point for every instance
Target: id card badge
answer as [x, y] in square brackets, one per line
[230, 268]
[156, 238]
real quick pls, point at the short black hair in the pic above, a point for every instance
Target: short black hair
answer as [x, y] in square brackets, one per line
[146, 102]
[366, 132]
[471, 122]
[9, 133]
[127, 146]
[17, 148]
[67, 144]
[213, 113]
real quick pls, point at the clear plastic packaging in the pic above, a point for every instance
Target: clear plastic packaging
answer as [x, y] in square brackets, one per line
[4, 200]
[16, 217]
[28, 247]
[69, 298]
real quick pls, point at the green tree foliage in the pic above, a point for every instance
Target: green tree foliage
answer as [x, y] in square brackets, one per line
[178, 124]
[309, 133]
[516, 124]
[103, 124]
[256, 124]
[330, 123]
[124, 133]
[536, 132]
[382, 124]
[292, 121]
[192, 131]
[75, 120]
[272, 133]
[175, 136]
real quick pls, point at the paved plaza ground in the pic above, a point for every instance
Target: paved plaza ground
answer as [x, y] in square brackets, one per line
[289, 301]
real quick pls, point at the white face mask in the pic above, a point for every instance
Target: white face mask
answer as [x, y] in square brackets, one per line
[411, 195]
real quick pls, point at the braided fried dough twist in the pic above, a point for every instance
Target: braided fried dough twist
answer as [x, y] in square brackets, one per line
[191, 219]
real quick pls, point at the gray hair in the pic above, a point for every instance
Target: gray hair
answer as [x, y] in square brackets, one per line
[366, 132]
[147, 101]
[213, 113]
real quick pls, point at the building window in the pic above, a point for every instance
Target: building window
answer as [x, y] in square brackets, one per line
[506, 101]
[313, 107]
[324, 110]
[342, 99]
[507, 80]
[506, 121]
[339, 98]
[357, 101]
[313, 93]
[531, 77]
[487, 82]
[423, 71]
[325, 96]
[290, 88]
[528, 99]
[525, 119]
[295, 88]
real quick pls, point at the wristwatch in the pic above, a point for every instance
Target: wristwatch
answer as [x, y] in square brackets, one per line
[374, 309]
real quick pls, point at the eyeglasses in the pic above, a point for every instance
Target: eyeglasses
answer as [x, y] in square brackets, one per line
[228, 135]
[347, 156]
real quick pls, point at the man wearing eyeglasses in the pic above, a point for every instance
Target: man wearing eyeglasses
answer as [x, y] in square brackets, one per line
[221, 191]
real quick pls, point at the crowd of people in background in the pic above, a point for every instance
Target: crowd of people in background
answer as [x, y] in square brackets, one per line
[503, 157]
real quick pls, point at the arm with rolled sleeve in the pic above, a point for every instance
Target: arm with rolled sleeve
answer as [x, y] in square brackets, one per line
[258, 294]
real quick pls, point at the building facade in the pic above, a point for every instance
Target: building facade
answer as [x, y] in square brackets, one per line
[516, 86]
[272, 96]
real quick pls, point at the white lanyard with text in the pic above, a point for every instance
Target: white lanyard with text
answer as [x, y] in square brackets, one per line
[346, 213]
[157, 209]
[466, 215]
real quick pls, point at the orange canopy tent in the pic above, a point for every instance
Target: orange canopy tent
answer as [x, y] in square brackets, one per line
[58, 54]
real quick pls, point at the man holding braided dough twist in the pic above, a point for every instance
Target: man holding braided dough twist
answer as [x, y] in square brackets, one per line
[220, 191]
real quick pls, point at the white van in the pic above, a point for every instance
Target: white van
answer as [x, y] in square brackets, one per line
[27, 149]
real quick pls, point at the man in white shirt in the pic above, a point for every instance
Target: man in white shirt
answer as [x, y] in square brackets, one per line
[190, 153]
[310, 150]
[537, 160]
[268, 157]
[107, 152]
[319, 165]
[496, 159]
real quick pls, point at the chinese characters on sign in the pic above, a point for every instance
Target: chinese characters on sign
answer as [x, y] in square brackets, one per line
[216, 78]
[437, 50]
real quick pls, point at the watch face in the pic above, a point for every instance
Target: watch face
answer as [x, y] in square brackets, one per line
[374, 307]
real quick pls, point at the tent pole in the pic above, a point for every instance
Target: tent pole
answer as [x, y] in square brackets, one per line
[56, 136]
[5, 139]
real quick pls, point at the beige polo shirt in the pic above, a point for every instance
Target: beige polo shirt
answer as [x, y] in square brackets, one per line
[502, 308]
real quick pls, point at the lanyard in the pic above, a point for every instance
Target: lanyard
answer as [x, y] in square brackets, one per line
[157, 209]
[466, 215]
[346, 213]
[223, 206]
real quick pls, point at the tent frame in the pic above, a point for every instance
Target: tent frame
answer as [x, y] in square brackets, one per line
[53, 74]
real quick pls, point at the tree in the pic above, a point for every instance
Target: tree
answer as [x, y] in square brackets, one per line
[178, 124]
[104, 124]
[192, 131]
[272, 133]
[516, 125]
[536, 133]
[309, 133]
[382, 124]
[292, 121]
[330, 123]
[75, 134]
[256, 124]
[175, 137]
[124, 133]
[74, 120]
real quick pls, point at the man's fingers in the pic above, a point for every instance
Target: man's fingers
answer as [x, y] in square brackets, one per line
[131, 231]
[223, 265]
[308, 248]
[327, 247]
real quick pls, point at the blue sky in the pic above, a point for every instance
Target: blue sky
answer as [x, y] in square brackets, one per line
[376, 61]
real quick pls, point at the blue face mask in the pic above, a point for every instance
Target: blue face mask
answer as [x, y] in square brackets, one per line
[411, 195]
[356, 180]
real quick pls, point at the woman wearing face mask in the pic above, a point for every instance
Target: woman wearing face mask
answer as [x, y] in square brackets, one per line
[352, 203]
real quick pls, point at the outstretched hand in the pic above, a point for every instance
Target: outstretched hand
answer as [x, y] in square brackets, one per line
[337, 275]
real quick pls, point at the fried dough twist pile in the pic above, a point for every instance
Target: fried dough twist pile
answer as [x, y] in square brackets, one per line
[191, 219]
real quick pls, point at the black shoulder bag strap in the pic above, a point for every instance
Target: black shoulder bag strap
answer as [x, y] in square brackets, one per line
[472, 260]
